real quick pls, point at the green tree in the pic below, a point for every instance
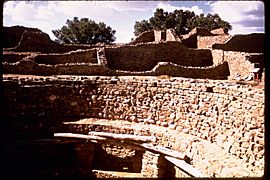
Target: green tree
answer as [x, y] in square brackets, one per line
[181, 21]
[141, 27]
[84, 31]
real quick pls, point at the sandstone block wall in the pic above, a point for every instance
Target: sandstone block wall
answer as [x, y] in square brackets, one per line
[156, 35]
[220, 71]
[147, 36]
[190, 39]
[206, 42]
[226, 114]
[79, 56]
[171, 35]
[238, 62]
[143, 57]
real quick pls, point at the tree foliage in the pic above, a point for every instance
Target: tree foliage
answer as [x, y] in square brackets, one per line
[181, 21]
[84, 31]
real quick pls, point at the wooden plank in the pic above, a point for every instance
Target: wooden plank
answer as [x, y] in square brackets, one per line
[124, 136]
[185, 167]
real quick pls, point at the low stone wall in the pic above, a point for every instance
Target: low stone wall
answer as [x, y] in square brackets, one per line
[143, 57]
[79, 56]
[31, 67]
[226, 114]
[13, 58]
[220, 71]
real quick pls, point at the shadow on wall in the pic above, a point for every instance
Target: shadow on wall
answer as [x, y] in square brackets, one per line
[251, 43]
[111, 158]
[13, 35]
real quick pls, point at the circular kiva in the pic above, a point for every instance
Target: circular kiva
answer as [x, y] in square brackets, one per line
[218, 125]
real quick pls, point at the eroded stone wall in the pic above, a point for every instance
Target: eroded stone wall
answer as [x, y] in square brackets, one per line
[23, 39]
[219, 71]
[79, 56]
[13, 35]
[143, 57]
[147, 36]
[226, 114]
[206, 42]
[238, 62]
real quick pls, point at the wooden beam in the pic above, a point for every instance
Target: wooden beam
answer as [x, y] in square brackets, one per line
[164, 151]
[124, 136]
[78, 136]
[185, 167]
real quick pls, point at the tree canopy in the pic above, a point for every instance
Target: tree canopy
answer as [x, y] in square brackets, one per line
[181, 21]
[85, 31]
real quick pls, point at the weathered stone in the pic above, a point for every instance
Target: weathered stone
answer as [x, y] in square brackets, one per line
[74, 103]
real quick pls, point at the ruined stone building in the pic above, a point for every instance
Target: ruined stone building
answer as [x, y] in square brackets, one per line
[159, 106]
[199, 54]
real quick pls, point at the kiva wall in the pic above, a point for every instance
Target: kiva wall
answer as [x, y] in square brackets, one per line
[143, 57]
[226, 114]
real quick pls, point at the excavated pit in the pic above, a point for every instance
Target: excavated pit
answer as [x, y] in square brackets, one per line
[200, 119]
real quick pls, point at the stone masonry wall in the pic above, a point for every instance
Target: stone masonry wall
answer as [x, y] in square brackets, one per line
[13, 58]
[147, 36]
[239, 62]
[79, 56]
[143, 57]
[226, 114]
[206, 42]
[171, 35]
[219, 71]
[23, 39]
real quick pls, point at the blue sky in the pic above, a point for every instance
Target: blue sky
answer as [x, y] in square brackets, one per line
[245, 16]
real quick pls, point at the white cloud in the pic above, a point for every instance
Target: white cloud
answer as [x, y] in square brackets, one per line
[20, 12]
[53, 14]
[244, 16]
[132, 5]
[170, 8]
